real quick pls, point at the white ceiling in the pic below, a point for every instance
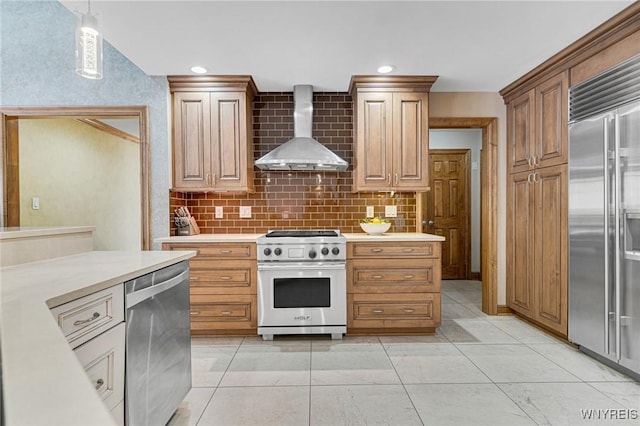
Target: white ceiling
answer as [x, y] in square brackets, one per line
[472, 45]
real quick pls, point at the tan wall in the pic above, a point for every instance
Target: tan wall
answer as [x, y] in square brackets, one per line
[483, 104]
[82, 176]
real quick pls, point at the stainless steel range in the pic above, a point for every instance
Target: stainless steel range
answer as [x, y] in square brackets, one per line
[302, 283]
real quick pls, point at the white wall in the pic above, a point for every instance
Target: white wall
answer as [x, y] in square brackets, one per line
[483, 104]
[82, 176]
[465, 139]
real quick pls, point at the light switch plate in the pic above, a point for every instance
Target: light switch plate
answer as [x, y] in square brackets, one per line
[390, 211]
[245, 212]
[369, 211]
[35, 203]
[219, 212]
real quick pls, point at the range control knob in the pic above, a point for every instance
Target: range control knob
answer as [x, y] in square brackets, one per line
[325, 251]
[267, 251]
[335, 250]
[312, 254]
[277, 251]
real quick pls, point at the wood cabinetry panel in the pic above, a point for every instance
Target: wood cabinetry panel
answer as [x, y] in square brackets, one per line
[520, 122]
[384, 249]
[411, 140]
[551, 121]
[393, 310]
[374, 138]
[401, 276]
[219, 314]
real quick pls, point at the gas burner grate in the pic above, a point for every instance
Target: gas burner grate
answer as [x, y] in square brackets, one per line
[301, 233]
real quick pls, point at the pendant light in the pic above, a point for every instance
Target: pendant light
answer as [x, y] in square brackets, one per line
[88, 46]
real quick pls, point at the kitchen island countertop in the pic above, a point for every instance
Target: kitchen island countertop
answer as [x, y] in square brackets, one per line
[43, 382]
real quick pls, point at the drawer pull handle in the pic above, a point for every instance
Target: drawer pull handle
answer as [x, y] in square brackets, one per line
[378, 311]
[377, 277]
[226, 312]
[194, 313]
[376, 250]
[94, 317]
[409, 310]
[407, 250]
[409, 276]
[99, 383]
[225, 251]
[225, 277]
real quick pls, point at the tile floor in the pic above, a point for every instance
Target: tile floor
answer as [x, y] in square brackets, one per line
[478, 370]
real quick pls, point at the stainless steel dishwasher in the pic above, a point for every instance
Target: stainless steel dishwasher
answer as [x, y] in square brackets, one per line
[158, 345]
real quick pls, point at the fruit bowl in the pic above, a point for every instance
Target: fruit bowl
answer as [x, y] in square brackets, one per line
[375, 228]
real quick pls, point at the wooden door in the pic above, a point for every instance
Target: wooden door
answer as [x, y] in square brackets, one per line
[520, 132]
[410, 141]
[551, 121]
[520, 242]
[229, 136]
[191, 141]
[374, 136]
[551, 247]
[448, 209]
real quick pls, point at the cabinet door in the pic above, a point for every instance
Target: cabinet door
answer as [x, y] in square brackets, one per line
[410, 141]
[551, 247]
[191, 141]
[372, 170]
[520, 243]
[520, 132]
[229, 137]
[551, 121]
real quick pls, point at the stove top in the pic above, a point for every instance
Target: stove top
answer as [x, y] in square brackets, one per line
[302, 233]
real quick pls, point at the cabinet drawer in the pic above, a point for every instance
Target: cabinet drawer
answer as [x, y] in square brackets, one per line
[103, 360]
[85, 318]
[398, 276]
[218, 251]
[239, 280]
[216, 312]
[393, 249]
[393, 310]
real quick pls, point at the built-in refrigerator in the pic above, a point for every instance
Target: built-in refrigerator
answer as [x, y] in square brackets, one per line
[604, 216]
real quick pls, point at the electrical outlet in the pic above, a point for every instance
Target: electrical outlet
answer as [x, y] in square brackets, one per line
[390, 211]
[369, 211]
[219, 212]
[245, 211]
[35, 203]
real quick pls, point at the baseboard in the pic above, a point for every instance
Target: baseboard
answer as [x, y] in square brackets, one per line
[504, 310]
[475, 276]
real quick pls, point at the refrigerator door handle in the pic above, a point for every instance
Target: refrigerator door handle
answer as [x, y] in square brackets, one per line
[617, 228]
[606, 236]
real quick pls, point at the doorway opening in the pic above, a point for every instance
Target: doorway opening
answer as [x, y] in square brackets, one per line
[488, 201]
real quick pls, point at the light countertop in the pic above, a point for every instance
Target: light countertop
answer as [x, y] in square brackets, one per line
[27, 232]
[43, 383]
[218, 238]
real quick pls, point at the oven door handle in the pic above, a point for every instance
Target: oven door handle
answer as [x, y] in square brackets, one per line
[301, 266]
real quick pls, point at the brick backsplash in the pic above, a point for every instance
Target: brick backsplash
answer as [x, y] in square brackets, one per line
[298, 200]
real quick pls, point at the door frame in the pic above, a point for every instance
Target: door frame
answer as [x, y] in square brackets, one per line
[467, 195]
[9, 166]
[488, 201]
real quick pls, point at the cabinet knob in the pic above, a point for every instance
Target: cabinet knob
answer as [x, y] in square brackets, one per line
[409, 310]
[377, 311]
[377, 277]
[99, 383]
[409, 276]
[376, 250]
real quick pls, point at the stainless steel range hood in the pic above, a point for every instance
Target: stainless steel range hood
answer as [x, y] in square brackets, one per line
[302, 152]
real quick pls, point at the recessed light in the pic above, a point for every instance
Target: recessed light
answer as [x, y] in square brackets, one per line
[198, 70]
[386, 69]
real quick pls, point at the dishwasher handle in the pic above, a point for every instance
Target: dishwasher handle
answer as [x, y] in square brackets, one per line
[136, 297]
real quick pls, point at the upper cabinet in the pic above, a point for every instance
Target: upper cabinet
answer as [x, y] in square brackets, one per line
[391, 132]
[537, 126]
[212, 133]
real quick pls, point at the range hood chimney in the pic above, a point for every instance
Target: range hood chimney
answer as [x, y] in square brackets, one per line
[302, 152]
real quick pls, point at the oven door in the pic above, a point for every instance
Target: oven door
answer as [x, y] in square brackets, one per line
[302, 294]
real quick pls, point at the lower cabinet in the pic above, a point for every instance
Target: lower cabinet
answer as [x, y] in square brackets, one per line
[223, 287]
[537, 246]
[95, 329]
[393, 287]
